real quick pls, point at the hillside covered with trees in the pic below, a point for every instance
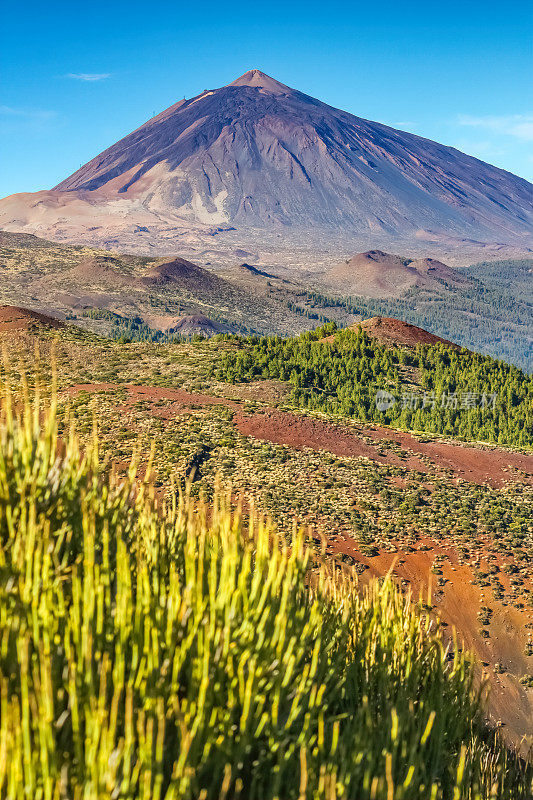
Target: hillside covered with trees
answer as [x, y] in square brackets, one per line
[435, 389]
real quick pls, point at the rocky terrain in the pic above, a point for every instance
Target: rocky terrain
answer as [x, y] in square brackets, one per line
[154, 297]
[390, 331]
[103, 291]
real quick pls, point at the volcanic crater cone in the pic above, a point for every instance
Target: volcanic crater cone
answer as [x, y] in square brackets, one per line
[258, 154]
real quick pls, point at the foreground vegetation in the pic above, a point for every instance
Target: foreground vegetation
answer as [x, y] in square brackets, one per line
[176, 653]
[436, 389]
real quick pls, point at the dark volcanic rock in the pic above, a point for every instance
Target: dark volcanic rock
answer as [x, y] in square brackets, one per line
[191, 324]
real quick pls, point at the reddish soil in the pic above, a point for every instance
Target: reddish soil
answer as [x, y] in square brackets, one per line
[299, 432]
[195, 323]
[183, 273]
[473, 464]
[14, 318]
[276, 426]
[457, 604]
[99, 270]
[388, 330]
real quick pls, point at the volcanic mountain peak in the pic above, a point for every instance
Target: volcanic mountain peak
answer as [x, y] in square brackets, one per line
[190, 324]
[182, 273]
[15, 318]
[391, 331]
[259, 80]
[175, 270]
[379, 274]
[396, 331]
[257, 154]
[379, 257]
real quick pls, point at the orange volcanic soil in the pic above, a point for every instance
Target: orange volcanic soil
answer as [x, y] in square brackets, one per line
[153, 393]
[457, 604]
[14, 318]
[474, 464]
[481, 465]
[388, 330]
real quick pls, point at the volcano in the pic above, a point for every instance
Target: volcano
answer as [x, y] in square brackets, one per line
[379, 274]
[256, 155]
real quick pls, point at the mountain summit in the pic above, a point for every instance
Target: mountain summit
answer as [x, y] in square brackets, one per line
[256, 154]
[259, 80]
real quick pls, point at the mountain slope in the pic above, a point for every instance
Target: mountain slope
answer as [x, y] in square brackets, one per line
[389, 331]
[108, 289]
[101, 289]
[428, 510]
[514, 277]
[258, 154]
[15, 318]
[379, 274]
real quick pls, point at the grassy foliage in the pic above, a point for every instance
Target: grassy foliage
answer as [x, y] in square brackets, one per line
[178, 654]
[348, 497]
[437, 389]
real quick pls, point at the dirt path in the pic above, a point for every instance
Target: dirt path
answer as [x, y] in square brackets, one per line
[468, 462]
[474, 464]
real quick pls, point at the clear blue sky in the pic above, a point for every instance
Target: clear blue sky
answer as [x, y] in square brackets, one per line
[76, 77]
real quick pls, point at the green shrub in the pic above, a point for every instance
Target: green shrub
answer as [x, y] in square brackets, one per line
[174, 653]
[458, 393]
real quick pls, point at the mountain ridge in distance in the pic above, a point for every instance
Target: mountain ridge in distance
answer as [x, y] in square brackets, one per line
[457, 305]
[258, 160]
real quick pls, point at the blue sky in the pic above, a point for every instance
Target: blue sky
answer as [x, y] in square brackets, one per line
[75, 77]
